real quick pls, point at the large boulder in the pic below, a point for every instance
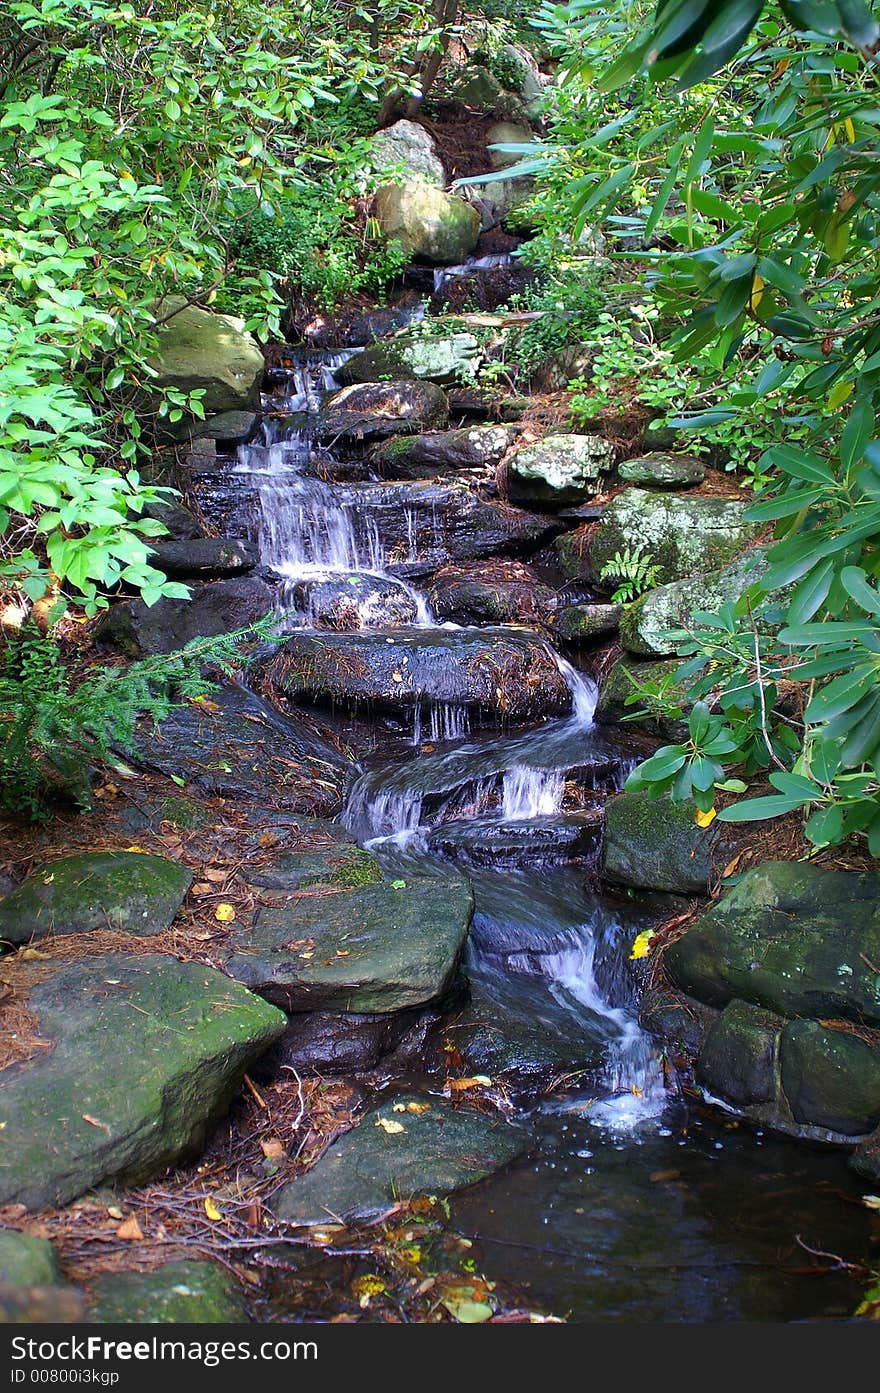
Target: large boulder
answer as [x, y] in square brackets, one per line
[490, 592]
[372, 948]
[440, 452]
[372, 411]
[138, 629]
[442, 358]
[408, 1147]
[683, 534]
[238, 747]
[436, 226]
[647, 626]
[830, 1077]
[203, 558]
[409, 147]
[792, 938]
[174, 1293]
[558, 470]
[655, 844]
[212, 352]
[129, 892]
[146, 1054]
[510, 674]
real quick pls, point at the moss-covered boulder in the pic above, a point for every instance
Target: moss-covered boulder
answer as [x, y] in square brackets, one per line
[439, 358]
[371, 948]
[199, 350]
[663, 470]
[126, 891]
[146, 1053]
[344, 864]
[648, 625]
[175, 1293]
[622, 679]
[655, 844]
[586, 623]
[490, 592]
[792, 938]
[574, 554]
[831, 1078]
[439, 452]
[26, 1261]
[408, 1147]
[439, 227]
[558, 470]
[739, 1058]
[683, 534]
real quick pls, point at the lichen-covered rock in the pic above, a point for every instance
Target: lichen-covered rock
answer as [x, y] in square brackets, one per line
[647, 626]
[831, 1078]
[433, 357]
[127, 891]
[199, 350]
[370, 411]
[437, 452]
[372, 948]
[793, 938]
[146, 1054]
[408, 145]
[137, 629]
[175, 1293]
[663, 471]
[440, 227]
[559, 469]
[683, 534]
[429, 1148]
[655, 844]
[584, 623]
[348, 601]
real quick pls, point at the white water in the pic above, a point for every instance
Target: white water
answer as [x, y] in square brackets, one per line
[483, 263]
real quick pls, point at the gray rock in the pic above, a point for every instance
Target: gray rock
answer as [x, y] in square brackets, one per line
[137, 629]
[677, 1018]
[408, 145]
[439, 227]
[376, 948]
[663, 471]
[125, 891]
[655, 844]
[558, 470]
[831, 1078]
[203, 557]
[370, 1170]
[147, 1054]
[584, 623]
[27, 1261]
[423, 456]
[213, 352]
[647, 625]
[683, 534]
[739, 1058]
[490, 592]
[372, 411]
[488, 842]
[348, 1042]
[232, 427]
[442, 358]
[480, 89]
[175, 1293]
[354, 601]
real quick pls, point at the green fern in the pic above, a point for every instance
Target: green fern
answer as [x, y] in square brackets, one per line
[634, 570]
[53, 728]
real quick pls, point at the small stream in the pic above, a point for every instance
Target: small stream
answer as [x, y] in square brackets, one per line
[637, 1203]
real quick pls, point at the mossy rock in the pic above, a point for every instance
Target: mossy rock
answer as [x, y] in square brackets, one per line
[831, 1078]
[214, 353]
[617, 684]
[176, 1293]
[655, 844]
[146, 1055]
[648, 624]
[683, 534]
[663, 470]
[129, 892]
[739, 1057]
[27, 1261]
[574, 553]
[345, 865]
[439, 358]
[586, 623]
[558, 470]
[441, 227]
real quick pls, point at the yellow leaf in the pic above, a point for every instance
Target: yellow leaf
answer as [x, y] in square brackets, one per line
[850, 129]
[757, 292]
[418, 1108]
[705, 819]
[224, 913]
[839, 394]
[731, 866]
[140, 849]
[642, 945]
[211, 1210]
[391, 1127]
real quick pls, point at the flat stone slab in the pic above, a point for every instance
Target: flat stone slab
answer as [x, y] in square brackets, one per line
[376, 948]
[147, 1054]
[175, 1293]
[511, 674]
[489, 841]
[239, 747]
[373, 1167]
[130, 892]
[663, 470]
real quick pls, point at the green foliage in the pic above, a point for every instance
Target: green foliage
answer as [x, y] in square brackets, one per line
[634, 572]
[53, 727]
[568, 297]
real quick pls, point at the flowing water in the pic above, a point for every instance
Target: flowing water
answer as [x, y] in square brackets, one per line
[635, 1204]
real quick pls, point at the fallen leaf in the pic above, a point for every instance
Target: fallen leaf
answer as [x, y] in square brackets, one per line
[731, 866]
[418, 1107]
[704, 819]
[114, 1212]
[871, 1201]
[642, 945]
[267, 839]
[399, 1107]
[273, 1149]
[107, 791]
[392, 1128]
[659, 1176]
[215, 874]
[131, 1231]
[211, 1210]
[141, 851]
[224, 913]
[93, 1121]
[461, 1085]
[202, 888]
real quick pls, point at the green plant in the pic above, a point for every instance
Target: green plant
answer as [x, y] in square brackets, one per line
[53, 727]
[634, 571]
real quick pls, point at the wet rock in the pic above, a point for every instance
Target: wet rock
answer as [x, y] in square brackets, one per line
[241, 748]
[789, 937]
[655, 844]
[376, 323]
[663, 471]
[739, 1056]
[343, 864]
[573, 551]
[125, 891]
[371, 1169]
[648, 625]
[585, 623]
[228, 427]
[375, 410]
[347, 1042]
[831, 1078]
[441, 358]
[487, 592]
[620, 681]
[175, 1293]
[558, 470]
[488, 842]
[408, 145]
[212, 353]
[676, 1017]
[32, 1305]
[375, 948]
[354, 602]
[204, 557]
[137, 629]
[423, 456]
[27, 1261]
[865, 1160]
[439, 227]
[512, 675]
[181, 522]
[146, 1054]
[683, 534]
